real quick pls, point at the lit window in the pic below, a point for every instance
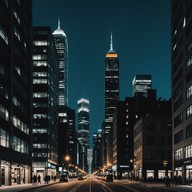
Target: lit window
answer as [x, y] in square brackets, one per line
[40, 95]
[3, 35]
[189, 92]
[189, 111]
[184, 22]
[189, 62]
[4, 138]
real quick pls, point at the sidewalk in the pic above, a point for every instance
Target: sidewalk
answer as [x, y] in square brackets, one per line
[24, 187]
[174, 188]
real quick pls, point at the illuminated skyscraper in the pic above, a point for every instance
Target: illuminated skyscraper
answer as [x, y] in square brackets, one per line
[111, 85]
[83, 131]
[61, 44]
[141, 83]
[15, 92]
[45, 97]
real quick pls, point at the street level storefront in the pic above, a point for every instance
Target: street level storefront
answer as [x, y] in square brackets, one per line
[183, 171]
[44, 169]
[152, 173]
[121, 171]
[12, 173]
[183, 164]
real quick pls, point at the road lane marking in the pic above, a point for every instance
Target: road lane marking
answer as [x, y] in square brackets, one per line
[76, 188]
[90, 185]
[135, 190]
[104, 187]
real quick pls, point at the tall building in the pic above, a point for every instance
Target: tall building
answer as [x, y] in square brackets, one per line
[153, 144]
[61, 44]
[141, 83]
[15, 92]
[96, 164]
[111, 98]
[45, 103]
[111, 85]
[66, 136]
[83, 131]
[182, 89]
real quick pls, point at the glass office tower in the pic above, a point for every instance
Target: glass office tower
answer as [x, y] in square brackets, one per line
[83, 131]
[45, 103]
[15, 92]
[61, 44]
[182, 89]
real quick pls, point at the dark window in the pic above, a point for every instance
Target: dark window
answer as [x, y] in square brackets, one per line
[178, 137]
[189, 131]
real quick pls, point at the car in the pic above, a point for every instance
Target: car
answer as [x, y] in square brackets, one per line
[109, 178]
[63, 178]
[80, 178]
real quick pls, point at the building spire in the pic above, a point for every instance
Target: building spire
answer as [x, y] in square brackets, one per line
[58, 24]
[111, 43]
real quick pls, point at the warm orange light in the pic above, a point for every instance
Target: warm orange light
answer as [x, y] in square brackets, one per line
[67, 158]
[114, 55]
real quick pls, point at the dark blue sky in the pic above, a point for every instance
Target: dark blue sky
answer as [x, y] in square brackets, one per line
[141, 37]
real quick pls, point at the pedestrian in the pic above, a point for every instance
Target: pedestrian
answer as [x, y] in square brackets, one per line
[34, 179]
[39, 179]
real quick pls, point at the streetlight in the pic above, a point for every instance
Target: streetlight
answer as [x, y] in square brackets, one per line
[165, 167]
[67, 158]
[132, 171]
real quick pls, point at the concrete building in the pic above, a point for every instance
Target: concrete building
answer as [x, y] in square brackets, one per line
[153, 144]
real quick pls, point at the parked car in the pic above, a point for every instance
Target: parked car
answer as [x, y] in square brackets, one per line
[109, 178]
[80, 177]
[63, 178]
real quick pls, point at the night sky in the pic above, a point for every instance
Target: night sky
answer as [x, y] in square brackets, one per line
[141, 37]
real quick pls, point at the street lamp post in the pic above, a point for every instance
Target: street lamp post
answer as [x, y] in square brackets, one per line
[165, 167]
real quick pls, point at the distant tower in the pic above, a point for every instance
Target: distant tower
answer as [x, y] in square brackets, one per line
[141, 83]
[61, 44]
[111, 85]
[83, 130]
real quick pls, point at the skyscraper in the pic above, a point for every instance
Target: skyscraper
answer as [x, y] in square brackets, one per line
[83, 131]
[111, 85]
[66, 136]
[15, 92]
[45, 102]
[182, 89]
[61, 44]
[141, 83]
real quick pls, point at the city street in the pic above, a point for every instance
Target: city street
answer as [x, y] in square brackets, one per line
[96, 185]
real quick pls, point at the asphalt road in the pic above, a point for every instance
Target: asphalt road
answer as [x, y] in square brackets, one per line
[94, 185]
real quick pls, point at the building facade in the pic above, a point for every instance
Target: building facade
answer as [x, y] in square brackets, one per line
[61, 44]
[83, 131]
[45, 103]
[182, 89]
[15, 92]
[127, 114]
[66, 137]
[97, 161]
[153, 144]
